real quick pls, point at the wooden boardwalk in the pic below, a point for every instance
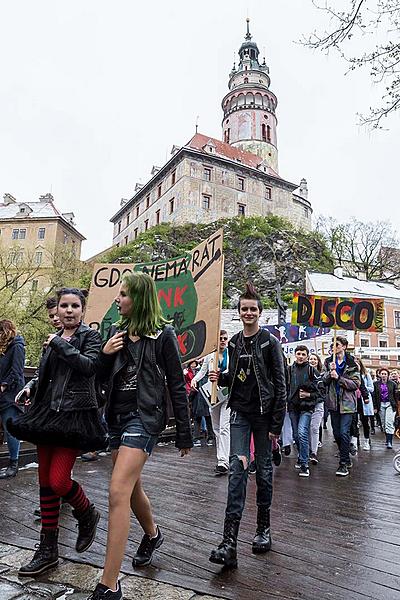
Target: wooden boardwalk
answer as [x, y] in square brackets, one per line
[332, 538]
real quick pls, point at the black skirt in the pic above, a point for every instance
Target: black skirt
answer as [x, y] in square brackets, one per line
[41, 425]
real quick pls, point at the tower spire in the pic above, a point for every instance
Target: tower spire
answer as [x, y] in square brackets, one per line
[249, 107]
[248, 34]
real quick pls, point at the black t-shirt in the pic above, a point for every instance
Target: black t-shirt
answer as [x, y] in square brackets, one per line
[245, 391]
[124, 396]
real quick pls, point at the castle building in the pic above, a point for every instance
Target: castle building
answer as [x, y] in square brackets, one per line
[209, 179]
[31, 233]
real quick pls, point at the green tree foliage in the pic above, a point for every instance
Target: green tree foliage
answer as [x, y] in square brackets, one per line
[264, 250]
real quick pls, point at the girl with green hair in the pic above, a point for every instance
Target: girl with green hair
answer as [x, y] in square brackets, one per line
[136, 365]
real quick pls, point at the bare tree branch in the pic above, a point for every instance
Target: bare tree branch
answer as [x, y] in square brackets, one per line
[369, 20]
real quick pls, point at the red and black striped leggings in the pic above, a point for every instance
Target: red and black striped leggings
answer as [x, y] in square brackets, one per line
[55, 466]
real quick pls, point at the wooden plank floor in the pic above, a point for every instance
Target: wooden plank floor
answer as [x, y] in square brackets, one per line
[332, 538]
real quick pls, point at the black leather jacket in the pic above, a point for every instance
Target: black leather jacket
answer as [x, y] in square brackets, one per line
[376, 395]
[269, 370]
[72, 381]
[159, 373]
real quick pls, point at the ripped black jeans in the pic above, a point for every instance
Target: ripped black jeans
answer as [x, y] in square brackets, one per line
[242, 426]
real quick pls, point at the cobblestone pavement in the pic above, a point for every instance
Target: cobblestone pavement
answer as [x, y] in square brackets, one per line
[73, 581]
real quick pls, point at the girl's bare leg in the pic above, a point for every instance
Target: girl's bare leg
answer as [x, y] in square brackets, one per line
[141, 508]
[128, 465]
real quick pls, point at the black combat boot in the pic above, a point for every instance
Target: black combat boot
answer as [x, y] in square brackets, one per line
[45, 557]
[87, 525]
[226, 554]
[262, 540]
[11, 470]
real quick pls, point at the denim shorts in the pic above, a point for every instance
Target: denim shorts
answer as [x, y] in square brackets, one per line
[127, 430]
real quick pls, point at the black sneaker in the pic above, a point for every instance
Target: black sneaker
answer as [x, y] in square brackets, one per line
[102, 592]
[342, 471]
[313, 458]
[287, 450]
[221, 470]
[304, 471]
[252, 467]
[297, 464]
[349, 464]
[144, 553]
[277, 456]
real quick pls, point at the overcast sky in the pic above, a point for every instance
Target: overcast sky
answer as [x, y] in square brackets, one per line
[94, 93]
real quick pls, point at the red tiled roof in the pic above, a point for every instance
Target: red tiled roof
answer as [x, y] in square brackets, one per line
[199, 140]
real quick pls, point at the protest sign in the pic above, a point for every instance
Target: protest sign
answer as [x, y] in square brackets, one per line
[207, 393]
[362, 314]
[189, 290]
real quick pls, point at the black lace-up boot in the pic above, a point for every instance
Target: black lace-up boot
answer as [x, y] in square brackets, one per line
[45, 557]
[10, 471]
[226, 553]
[87, 525]
[262, 540]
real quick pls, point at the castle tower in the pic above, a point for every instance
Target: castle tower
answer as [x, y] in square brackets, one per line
[249, 107]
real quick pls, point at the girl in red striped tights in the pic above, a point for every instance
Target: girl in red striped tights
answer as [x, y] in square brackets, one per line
[62, 421]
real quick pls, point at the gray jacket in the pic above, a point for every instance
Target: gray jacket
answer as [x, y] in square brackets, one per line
[348, 383]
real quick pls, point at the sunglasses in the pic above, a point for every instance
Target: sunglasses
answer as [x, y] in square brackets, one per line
[223, 339]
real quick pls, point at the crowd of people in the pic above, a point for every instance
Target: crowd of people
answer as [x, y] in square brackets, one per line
[245, 399]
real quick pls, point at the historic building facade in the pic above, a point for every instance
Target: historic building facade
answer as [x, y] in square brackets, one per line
[209, 179]
[31, 233]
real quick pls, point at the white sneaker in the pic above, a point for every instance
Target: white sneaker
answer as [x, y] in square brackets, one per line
[367, 445]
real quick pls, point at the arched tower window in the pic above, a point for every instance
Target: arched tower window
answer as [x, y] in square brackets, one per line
[264, 132]
[268, 133]
[246, 80]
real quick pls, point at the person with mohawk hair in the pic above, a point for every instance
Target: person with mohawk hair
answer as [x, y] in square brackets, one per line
[257, 399]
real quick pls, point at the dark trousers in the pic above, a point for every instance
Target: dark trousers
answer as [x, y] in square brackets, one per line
[197, 431]
[341, 425]
[365, 423]
[241, 427]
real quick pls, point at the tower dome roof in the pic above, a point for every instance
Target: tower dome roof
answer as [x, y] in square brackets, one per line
[249, 52]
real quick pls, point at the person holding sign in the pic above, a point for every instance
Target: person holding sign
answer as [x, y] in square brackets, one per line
[257, 398]
[138, 365]
[341, 375]
[220, 414]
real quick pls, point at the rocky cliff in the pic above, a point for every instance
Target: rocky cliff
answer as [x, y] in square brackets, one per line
[266, 251]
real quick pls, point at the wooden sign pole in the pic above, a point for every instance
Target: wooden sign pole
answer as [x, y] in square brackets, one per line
[334, 345]
[214, 362]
